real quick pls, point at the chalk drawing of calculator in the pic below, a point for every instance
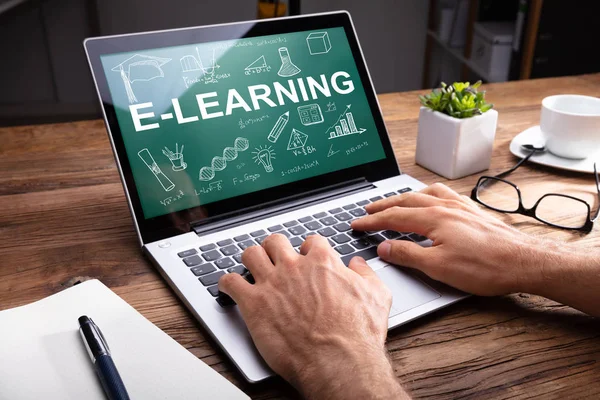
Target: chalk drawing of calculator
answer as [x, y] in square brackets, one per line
[310, 114]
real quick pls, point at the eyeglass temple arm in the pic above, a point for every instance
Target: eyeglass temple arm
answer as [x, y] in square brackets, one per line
[503, 174]
[598, 192]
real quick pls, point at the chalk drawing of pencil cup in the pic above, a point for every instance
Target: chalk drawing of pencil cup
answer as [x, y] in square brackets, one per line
[176, 158]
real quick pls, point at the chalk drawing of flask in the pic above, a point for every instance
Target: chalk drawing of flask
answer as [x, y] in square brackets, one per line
[287, 66]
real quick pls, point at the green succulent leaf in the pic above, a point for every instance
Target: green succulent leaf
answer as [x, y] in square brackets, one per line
[459, 100]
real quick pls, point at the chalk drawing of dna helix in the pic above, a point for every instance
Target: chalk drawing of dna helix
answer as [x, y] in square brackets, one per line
[219, 163]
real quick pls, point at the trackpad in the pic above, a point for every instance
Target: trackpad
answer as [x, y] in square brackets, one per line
[409, 292]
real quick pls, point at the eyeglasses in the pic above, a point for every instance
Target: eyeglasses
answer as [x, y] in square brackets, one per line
[558, 210]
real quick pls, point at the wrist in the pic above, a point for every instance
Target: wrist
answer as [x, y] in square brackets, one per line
[348, 370]
[546, 267]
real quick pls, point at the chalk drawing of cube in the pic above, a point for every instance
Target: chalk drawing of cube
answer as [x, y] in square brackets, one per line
[318, 43]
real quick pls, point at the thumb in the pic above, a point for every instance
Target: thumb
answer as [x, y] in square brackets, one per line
[403, 253]
[236, 287]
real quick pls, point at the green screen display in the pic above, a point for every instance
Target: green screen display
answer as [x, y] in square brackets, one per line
[211, 121]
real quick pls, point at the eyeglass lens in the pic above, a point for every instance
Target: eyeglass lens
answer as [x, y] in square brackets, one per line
[562, 211]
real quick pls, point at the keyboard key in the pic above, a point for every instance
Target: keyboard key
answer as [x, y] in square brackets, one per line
[225, 242]
[349, 206]
[290, 224]
[238, 269]
[331, 242]
[241, 238]
[249, 277]
[344, 249]
[224, 300]
[390, 194]
[296, 241]
[357, 234]
[326, 232]
[230, 250]
[363, 203]
[342, 227]
[329, 221]
[261, 239]
[390, 234]
[297, 230]
[358, 212]
[247, 243]
[187, 253]
[213, 290]
[367, 254]
[313, 225]
[320, 215]
[374, 199]
[203, 269]
[305, 219]
[211, 255]
[238, 257]
[336, 211]
[275, 228]
[307, 234]
[258, 233]
[344, 216]
[224, 263]
[416, 237]
[361, 244]
[404, 190]
[376, 239]
[341, 238]
[192, 261]
[208, 247]
[285, 233]
[211, 279]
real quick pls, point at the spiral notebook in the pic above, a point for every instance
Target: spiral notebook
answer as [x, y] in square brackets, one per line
[43, 356]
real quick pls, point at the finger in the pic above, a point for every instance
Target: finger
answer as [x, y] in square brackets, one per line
[279, 249]
[360, 266]
[256, 260]
[404, 253]
[410, 199]
[418, 220]
[312, 242]
[236, 287]
[441, 191]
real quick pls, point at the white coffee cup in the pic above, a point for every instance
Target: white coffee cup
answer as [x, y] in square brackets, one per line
[570, 124]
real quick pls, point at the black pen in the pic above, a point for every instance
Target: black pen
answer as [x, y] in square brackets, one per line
[103, 363]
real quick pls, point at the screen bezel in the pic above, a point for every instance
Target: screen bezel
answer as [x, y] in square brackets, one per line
[164, 226]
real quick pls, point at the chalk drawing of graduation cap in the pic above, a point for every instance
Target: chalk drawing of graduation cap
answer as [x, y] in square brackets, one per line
[140, 68]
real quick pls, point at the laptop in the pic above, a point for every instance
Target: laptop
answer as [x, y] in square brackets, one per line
[227, 133]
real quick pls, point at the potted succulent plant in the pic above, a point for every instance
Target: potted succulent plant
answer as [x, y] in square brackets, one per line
[456, 130]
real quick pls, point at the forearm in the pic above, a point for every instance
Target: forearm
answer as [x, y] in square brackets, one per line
[567, 275]
[351, 373]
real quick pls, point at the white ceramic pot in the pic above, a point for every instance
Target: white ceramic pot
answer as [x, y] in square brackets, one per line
[453, 147]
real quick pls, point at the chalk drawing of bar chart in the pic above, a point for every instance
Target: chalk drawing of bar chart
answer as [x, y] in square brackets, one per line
[344, 126]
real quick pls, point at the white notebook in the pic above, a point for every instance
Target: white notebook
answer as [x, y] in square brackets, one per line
[43, 357]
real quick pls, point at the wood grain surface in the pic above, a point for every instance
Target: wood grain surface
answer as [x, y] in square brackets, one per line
[64, 217]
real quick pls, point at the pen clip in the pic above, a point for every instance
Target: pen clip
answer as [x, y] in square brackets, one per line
[100, 335]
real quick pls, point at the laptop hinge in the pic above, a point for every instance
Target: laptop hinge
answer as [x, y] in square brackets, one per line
[280, 206]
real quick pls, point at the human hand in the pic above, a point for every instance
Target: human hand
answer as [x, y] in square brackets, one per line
[472, 250]
[318, 324]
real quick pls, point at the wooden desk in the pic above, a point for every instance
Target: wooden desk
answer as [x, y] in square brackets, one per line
[64, 218]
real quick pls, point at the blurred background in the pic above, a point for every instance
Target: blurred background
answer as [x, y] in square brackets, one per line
[408, 44]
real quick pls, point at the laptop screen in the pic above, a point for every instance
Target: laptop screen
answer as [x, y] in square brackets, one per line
[212, 121]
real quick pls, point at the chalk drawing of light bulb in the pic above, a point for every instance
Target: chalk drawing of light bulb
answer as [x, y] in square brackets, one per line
[264, 156]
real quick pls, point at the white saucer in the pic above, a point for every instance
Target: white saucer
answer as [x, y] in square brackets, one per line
[533, 136]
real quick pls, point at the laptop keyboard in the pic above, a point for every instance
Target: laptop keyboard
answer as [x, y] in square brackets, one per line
[213, 260]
